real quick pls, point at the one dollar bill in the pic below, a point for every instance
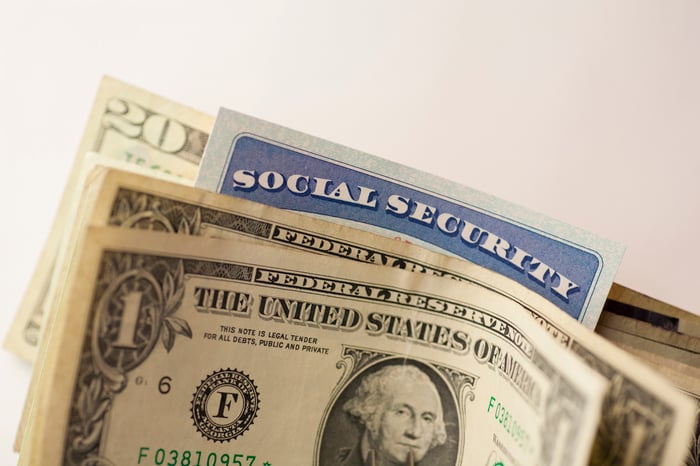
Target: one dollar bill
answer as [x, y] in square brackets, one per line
[195, 349]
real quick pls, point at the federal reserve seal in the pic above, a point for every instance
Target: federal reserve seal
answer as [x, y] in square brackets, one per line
[225, 405]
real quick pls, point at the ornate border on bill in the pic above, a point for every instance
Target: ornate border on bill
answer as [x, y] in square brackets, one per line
[149, 319]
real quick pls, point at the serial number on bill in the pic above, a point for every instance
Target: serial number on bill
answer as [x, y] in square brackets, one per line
[166, 457]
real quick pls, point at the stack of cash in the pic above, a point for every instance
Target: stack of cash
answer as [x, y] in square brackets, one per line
[231, 292]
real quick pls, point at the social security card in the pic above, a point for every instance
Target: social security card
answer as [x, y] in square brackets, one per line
[260, 161]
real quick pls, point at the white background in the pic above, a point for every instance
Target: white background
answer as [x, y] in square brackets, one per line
[588, 111]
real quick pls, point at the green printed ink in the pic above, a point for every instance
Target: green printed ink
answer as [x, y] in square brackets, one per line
[174, 457]
[504, 417]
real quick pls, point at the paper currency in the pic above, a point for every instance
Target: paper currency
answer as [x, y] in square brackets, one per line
[651, 310]
[672, 353]
[128, 124]
[260, 161]
[196, 349]
[640, 403]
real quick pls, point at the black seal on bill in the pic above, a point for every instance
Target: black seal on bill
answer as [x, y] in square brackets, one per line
[225, 405]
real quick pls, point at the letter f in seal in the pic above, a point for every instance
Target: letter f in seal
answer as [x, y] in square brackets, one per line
[224, 402]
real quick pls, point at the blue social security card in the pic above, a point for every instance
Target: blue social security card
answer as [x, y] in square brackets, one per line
[257, 160]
